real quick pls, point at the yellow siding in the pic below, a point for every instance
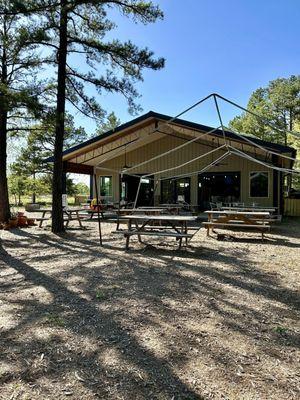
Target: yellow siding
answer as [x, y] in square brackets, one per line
[233, 163]
[292, 207]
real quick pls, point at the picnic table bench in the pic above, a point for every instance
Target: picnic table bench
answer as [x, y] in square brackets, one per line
[70, 214]
[91, 212]
[176, 227]
[238, 220]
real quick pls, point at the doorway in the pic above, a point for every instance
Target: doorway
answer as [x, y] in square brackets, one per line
[176, 190]
[215, 187]
[129, 187]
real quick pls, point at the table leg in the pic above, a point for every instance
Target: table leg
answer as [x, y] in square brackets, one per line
[41, 221]
[128, 236]
[68, 220]
[180, 239]
[118, 221]
[137, 227]
[79, 220]
[185, 231]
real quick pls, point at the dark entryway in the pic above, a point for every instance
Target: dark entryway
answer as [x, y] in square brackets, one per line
[129, 188]
[176, 190]
[222, 187]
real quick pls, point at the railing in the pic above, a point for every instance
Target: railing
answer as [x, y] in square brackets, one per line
[292, 207]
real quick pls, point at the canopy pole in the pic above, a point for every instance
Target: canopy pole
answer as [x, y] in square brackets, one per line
[153, 197]
[98, 212]
[137, 193]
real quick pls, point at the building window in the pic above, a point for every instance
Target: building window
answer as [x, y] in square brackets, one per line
[106, 186]
[259, 184]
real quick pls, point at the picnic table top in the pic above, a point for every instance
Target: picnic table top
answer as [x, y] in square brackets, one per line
[142, 209]
[234, 212]
[241, 208]
[65, 210]
[179, 218]
[166, 205]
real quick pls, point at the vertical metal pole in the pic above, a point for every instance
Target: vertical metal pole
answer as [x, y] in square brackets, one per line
[91, 187]
[99, 222]
[220, 118]
[137, 193]
[120, 197]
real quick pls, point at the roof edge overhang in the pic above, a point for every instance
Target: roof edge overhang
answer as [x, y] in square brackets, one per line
[151, 115]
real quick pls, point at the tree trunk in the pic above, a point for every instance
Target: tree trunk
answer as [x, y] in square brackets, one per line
[57, 210]
[33, 199]
[291, 124]
[4, 200]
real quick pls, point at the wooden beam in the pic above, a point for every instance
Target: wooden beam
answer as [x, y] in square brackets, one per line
[78, 168]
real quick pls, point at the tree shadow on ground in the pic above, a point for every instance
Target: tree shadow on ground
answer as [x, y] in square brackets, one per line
[101, 325]
[156, 292]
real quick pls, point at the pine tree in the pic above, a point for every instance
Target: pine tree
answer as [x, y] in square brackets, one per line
[111, 123]
[39, 146]
[76, 27]
[279, 104]
[19, 91]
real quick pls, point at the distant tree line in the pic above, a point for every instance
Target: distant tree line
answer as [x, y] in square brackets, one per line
[279, 104]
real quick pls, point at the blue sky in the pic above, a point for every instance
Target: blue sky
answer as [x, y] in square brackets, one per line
[231, 47]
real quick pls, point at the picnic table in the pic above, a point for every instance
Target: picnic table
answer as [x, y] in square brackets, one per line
[154, 225]
[173, 208]
[70, 214]
[249, 208]
[243, 220]
[92, 211]
[122, 212]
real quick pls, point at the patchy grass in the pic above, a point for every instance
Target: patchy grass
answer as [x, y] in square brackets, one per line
[54, 320]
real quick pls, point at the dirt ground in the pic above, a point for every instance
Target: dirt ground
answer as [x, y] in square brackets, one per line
[217, 321]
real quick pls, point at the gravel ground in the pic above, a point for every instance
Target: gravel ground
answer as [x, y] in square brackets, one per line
[219, 320]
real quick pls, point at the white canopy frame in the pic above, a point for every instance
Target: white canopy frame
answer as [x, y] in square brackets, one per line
[230, 148]
[214, 96]
[172, 150]
[198, 172]
[227, 145]
[244, 155]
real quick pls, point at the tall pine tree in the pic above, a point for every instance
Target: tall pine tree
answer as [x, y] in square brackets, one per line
[77, 27]
[19, 91]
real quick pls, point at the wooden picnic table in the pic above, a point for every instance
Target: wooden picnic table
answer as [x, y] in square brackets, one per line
[173, 208]
[145, 226]
[250, 208]
[91, 212]
[70, 214]
[251, 214]
[122, 212]
[228, 219]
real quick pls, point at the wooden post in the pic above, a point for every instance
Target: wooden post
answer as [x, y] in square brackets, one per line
[91, 187]
[98, 212]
